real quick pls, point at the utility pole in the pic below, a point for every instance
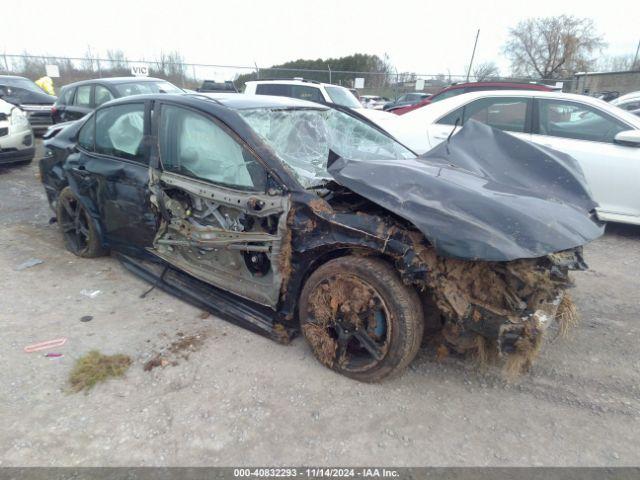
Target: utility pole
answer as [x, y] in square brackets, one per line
[473, 55]
[329, 67]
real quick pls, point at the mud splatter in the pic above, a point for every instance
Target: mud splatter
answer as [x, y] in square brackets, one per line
[319, 205]
[527, 349]
[481, 300]
[178, 349]
[349, 297]
[323, 345]
[342, 297]
[567, 315]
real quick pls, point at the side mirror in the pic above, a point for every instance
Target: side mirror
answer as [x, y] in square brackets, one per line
[629, 138]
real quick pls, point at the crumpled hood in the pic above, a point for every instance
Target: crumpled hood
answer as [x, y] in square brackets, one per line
[485, 195]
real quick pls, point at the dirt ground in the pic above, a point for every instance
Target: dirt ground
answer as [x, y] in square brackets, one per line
[235, 398]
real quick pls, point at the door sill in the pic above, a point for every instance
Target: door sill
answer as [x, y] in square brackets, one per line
[618, 217]
[223, 304]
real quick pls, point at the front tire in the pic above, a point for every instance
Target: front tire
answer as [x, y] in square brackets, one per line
[78, 230]
[360, 319]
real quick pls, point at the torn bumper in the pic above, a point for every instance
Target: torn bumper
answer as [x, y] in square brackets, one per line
[507, 333]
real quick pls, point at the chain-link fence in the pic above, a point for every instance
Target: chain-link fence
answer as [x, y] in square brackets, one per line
[191, 75]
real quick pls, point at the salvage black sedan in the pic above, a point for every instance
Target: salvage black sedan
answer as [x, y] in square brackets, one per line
[285, 216]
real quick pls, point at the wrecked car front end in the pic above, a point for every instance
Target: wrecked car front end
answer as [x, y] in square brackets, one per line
[493, 227]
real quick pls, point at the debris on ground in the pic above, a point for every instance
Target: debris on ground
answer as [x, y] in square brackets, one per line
[36, 347]
[90, 293]
[94, 367]
[32, 262]
[204, 314]
[53, 355]
[86, 318]
[178, 349]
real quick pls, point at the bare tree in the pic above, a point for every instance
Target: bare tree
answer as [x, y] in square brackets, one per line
[618, 63]
[170, 66]
[485, 71]
[88, 63]
[117, 61]
[552, 47]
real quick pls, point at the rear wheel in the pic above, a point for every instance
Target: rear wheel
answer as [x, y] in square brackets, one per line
[360, 319]
[80, 235]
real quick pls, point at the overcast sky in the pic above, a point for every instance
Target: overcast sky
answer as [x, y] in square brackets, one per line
[420, 36]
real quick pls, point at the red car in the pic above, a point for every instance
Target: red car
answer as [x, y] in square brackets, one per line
[461, 88]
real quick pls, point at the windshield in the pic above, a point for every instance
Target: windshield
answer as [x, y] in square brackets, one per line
[342, 96]
[448, 94]
[140, 88]
[302, 138]
[23, 83]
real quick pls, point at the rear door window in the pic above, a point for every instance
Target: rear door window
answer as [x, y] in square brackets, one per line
[312, 94]
[120, 130]
[83, 96]
[504, 113]
[67, 95]
[87, 135]
[280, 90]
[102, 95]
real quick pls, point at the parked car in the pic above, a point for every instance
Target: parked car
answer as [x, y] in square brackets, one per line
[461, 88]
[406, 100]
[211, 86]
[607, 95]
[603, 139]
[79, 98]
[16, 135]
[629, 102]
[375, 102]
[287, 216]
[31, 99]
[323, 93]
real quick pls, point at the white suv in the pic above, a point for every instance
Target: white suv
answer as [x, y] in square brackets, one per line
[317, 92]
[16, 135]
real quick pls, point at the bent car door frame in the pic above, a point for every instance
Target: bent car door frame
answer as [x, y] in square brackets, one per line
[207, 240]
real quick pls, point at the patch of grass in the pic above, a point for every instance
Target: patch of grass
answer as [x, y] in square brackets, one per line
[94, 367]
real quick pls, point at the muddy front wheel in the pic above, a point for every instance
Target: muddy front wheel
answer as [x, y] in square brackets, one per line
[360, 319]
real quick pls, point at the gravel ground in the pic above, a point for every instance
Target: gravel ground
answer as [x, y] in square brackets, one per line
[240, 399]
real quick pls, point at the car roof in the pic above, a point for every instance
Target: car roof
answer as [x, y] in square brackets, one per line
[437, 109]
[115, 80]
[625, 97]
[242, 101]
[524, 85]
[307, 83]
[234, 101]
[14, 76]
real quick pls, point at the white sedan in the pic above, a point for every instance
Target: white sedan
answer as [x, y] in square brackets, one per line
[604, 139]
